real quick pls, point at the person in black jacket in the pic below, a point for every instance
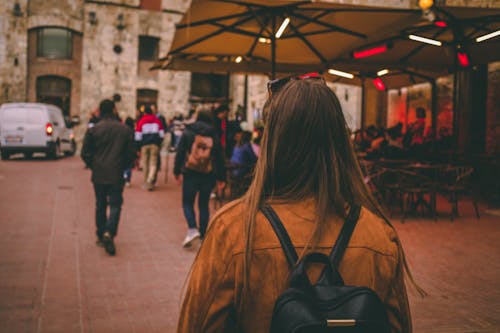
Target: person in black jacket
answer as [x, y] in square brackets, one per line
[108, 149]
[199, 165]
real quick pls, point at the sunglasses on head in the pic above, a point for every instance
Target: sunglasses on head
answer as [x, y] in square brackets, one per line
[274, 85]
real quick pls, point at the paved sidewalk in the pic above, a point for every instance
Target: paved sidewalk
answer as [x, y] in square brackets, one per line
[53, 278]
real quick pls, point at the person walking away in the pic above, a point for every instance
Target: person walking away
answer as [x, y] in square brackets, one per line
[199, 166]
[108, 149]
[149, 134]
[177, 128]
[127, 174]
[221, 126]
[309, 175]
[163, 121]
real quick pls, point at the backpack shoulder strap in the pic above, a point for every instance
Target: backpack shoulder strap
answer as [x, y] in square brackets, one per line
[345, 235]
[338, 249]
[341, 244]
[280, 231]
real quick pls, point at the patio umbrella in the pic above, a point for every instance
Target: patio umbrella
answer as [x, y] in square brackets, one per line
[279, 33]
[453, 38]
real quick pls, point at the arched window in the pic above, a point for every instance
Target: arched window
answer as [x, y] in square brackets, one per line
[54, 43]
[54, 90]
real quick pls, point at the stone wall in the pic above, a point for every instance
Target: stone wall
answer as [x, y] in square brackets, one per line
[61, 13]
[236, 92]
[257, 96]
[108, 72]
[350, 100]
[104, 71]
[13, 51]
[98, 72]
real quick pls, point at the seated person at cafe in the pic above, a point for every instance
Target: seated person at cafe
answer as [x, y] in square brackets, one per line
[394, 142]
[418, 136]
[243, 155]
[377, 141]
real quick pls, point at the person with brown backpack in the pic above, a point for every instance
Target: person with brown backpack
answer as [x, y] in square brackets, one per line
[199, 166]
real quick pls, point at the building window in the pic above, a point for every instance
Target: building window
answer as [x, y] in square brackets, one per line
[151, 4]
[148, 48]
[54, 43]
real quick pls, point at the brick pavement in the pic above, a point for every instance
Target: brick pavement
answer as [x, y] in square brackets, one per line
[53, 278]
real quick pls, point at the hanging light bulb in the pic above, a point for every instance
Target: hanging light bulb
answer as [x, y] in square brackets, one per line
[425, 4]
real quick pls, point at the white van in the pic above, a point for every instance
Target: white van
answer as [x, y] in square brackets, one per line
[34, 127]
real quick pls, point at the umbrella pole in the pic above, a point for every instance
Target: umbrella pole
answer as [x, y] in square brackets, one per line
[245, 98]
[363, 106]
[273, 50]
[434, 110]
[273, 59]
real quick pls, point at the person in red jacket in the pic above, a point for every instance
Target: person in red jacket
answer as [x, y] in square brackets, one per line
[149, 134]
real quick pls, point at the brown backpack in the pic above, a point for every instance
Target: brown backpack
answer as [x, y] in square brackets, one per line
[199, 156]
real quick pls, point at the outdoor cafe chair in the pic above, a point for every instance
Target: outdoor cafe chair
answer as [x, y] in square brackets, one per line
[384, 184]
[456, 184]
[414, 187]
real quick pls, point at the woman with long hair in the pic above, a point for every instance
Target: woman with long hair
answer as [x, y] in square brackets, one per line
[309, 174]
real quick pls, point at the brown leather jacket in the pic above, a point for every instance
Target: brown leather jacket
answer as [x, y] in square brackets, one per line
[372, 259]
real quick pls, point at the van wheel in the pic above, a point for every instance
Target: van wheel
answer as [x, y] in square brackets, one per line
[5, 155]
[72, 151]
[54, 154]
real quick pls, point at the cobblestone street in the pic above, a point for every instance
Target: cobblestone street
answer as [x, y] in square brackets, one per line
[53, 277]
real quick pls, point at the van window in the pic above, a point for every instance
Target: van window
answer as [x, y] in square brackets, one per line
[22, 116]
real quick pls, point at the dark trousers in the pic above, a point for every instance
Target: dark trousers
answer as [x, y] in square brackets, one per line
[191, 185]
[107, 194]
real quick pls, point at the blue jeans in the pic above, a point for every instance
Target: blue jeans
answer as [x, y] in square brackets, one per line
[191, 185]
[108, 194]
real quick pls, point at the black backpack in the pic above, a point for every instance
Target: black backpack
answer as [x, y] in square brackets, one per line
[329, 305]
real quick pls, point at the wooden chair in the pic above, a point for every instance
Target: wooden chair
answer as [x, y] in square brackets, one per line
[457, 184]
[386, 188]
[414, 187]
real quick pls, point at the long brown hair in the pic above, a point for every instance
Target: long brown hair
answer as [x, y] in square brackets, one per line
[306, 153]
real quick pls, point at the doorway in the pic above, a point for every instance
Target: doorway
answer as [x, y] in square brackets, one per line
[54, 90]
[146, 97]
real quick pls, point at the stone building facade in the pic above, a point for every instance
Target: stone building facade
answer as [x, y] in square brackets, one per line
[103, 57]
